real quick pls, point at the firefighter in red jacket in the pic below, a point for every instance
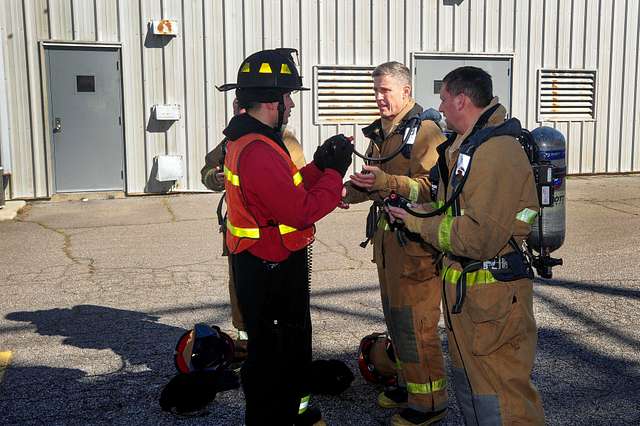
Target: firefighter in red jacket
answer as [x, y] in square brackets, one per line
[272, 207]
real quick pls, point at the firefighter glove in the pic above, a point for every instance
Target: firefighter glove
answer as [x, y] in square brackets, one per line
[382, 179]
[334, 153]
[339, 153]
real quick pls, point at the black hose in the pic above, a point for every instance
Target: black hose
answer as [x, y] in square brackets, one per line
[412, 123]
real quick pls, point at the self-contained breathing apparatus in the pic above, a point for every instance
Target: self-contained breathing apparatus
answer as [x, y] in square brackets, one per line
[408, 128]
[544, 148]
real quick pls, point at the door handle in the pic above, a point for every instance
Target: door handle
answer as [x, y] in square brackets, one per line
[57, 126]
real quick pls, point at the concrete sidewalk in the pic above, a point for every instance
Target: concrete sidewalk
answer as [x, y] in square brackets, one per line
[95, 295]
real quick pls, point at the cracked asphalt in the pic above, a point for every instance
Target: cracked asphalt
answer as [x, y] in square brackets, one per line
[94, 296]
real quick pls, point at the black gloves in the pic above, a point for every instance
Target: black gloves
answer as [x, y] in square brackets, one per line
[334, 153]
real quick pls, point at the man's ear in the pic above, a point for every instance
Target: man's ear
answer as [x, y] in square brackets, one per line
[460, 101]
[406, 91]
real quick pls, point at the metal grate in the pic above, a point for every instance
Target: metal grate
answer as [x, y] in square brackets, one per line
[344, 95]
[566, 95]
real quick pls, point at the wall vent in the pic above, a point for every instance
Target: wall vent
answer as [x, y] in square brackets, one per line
[344, 95]
[566, 95]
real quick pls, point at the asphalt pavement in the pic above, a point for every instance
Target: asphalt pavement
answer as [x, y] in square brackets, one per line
[95, 294]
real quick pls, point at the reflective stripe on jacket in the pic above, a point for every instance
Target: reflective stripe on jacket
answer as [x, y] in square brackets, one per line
[243, 231]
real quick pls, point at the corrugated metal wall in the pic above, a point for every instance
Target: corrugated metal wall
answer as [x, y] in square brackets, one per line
[216, 34]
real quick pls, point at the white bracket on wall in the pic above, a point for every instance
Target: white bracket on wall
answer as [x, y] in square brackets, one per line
[170, 112]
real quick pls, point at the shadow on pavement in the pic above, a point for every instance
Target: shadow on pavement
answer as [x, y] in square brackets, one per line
[579, 385]
[51, 395]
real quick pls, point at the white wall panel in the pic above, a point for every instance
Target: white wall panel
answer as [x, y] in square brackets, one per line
[106, 13]
[214, 36]
[174, 83]
[604, 84]
[133, 32]
[22, 179]
[194, 143]
[629, 83]
[61, 19]
[84, 20]
[615, 86]
[36, 123]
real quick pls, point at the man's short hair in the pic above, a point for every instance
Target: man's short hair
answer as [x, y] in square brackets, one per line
[472, 81]
[394, 69]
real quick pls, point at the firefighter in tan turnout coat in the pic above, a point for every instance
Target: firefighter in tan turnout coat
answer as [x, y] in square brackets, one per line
[409, 282]
[491, 330]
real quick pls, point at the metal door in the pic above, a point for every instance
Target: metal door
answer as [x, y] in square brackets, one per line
[430, 70]
[85, 112]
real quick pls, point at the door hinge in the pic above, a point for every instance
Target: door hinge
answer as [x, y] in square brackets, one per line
[118, 65]
[121, 174]
[119, 120]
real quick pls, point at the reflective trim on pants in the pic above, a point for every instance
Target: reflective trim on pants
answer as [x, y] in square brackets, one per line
[304, 404]
[426, 388]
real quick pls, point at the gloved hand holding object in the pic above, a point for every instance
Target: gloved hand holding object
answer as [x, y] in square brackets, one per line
[398, 213]
[371, 178]
[334, 153]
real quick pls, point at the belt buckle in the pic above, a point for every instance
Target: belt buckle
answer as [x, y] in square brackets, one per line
[497, 263]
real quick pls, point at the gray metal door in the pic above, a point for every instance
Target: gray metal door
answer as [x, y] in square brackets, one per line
[430, 70]
[85, 112]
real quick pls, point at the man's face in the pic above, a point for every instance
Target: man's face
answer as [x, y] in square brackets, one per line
[391, 95]
[288, 106]
[450, 107]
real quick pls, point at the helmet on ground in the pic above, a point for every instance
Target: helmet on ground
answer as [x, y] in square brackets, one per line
[205, 348]
[377, 360]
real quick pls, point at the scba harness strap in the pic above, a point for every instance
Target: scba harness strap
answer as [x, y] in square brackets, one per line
[409, 128]
[509, 267]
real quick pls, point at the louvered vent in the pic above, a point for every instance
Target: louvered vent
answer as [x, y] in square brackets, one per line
[344, 95]
[566, 94]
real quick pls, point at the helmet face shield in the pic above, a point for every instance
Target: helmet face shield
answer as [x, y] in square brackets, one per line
[204, 348]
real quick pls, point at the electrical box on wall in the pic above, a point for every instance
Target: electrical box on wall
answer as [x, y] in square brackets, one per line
[170, 112]
[165, 27]
[169, 167]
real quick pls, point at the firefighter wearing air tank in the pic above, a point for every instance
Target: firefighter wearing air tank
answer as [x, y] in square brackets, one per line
[486, 179]
[271, 209]
[409, 283]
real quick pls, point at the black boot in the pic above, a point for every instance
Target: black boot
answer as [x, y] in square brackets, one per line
[411, 417]
[310, 417]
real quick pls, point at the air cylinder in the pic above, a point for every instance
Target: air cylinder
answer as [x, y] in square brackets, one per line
[552, 148]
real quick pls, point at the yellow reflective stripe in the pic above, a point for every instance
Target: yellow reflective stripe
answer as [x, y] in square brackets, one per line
[255, 232]
[481, 276]
[425, 388]
[444, 234]
[297, 179]
[285, 229]
[527, 215]
[414, 190]
[243, 232]
[383, 224]
[304, 403]
[234, 179]
[398, 364]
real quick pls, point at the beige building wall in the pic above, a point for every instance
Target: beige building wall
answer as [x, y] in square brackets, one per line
[215, 35]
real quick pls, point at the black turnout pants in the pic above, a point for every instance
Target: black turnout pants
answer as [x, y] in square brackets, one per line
[274, 300]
